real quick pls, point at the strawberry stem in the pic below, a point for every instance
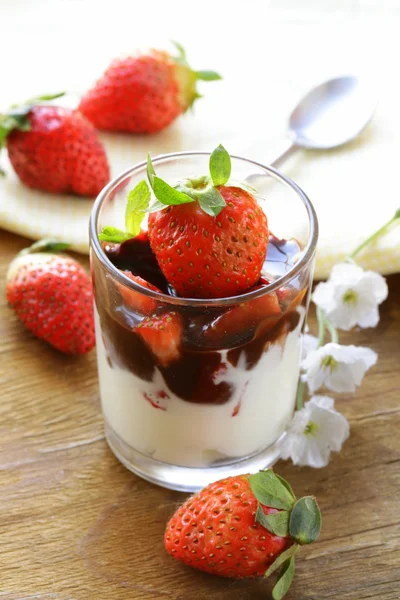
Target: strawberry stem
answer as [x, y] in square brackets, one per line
[46, 245]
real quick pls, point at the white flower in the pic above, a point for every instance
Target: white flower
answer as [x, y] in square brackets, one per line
[351, 296]
[314, 432]
[339, 368]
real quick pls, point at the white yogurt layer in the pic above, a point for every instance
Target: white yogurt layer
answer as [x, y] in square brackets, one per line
[195, 435]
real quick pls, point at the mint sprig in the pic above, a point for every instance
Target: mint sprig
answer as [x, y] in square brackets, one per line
[299, 519]
[202, 189]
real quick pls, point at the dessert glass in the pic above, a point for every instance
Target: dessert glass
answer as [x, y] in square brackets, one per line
[220, 407]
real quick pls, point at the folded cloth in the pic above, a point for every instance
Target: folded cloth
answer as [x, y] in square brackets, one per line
[349, 194]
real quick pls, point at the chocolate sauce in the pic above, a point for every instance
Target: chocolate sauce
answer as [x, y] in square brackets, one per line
[197, 376]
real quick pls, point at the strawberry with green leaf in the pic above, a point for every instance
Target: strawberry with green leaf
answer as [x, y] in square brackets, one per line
[54, 149]
[244, 526]
[143, 93]
[210, 238]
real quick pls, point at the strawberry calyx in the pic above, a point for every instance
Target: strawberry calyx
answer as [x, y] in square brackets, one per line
[187, 78]
[202, 189]
[300, 519]
[45, 245]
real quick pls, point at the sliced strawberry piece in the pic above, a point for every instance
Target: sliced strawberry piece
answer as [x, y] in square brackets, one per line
[138, 300]
[163, 335]
[242, 318]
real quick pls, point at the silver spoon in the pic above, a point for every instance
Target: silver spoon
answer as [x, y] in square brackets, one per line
[330, 115]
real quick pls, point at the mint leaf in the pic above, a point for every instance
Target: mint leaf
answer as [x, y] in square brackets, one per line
[276, 523]
[208, 75]
[285, 580]
[113, 234]
[138, 202]
[211, 202]
[150, 170]
[305, 521]
[220, 166]
[281, 559]
[270, 491]
[168, 195]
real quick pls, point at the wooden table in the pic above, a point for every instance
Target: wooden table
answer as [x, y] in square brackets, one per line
[75, 524]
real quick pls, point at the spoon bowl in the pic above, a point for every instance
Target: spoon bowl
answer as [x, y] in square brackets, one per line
[332, 114]
[329, 115]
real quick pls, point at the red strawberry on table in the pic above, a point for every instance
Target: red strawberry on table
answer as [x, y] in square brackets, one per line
[244, 526]
[210, 238]
[52, 296]
[54, 149]
[143, 93]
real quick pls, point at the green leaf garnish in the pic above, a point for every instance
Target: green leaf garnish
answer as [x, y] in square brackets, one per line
[305, 520]
[113, 234]
[138, 202]
[281, 559]
[208, 75]
[276, 523]
[168, 195]
[220, 166]
[270, 491]
[285, 579]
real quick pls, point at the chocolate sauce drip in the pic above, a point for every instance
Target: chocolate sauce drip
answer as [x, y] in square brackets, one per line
[197, 376]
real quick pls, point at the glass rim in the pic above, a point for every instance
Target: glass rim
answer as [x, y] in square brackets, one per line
[308, 250]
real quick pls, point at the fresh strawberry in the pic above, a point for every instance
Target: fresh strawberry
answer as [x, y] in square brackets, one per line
[244, 526]
[138, 300]
[52, 296]
[143, 93]
[210, 239]
[163, 335]
[204, 256]
[243, 317]
[54, 149]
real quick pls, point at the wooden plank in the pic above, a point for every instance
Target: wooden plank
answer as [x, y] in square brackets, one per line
[74, 524]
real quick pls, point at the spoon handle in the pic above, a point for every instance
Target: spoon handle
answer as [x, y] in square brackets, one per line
[289, 149]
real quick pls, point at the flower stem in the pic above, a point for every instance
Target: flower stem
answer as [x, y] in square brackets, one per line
[376, 235]
[332, 331]
[321, 326]
[300, 394]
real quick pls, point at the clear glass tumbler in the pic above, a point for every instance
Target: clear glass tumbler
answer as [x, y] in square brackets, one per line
[221, 404]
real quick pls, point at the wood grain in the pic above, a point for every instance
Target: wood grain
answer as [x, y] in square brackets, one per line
[75, 524]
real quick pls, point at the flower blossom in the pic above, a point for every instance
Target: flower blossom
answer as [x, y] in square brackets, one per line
[351, 296]
[314, 432]
[339, 368]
